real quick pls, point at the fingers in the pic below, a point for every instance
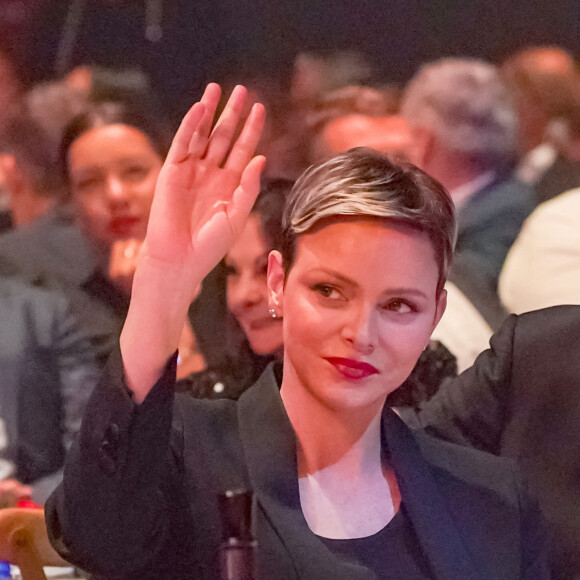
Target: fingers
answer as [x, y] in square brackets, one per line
[245, 195]
[179, 149]
[210, 99]
[195, 137]
[123, 262]
[247, 142]
[191, 137]
[223, 133]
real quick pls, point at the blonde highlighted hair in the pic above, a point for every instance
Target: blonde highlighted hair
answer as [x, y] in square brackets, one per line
[364, 183]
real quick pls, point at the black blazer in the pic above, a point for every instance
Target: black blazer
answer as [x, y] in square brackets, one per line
[139, 492]
[488, 224]
[521, 399]
[47, 371]
[54, 252]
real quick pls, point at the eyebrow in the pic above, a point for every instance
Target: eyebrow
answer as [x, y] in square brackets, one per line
[135, 157]
[351, 282]
[263, 256]
[335, 274]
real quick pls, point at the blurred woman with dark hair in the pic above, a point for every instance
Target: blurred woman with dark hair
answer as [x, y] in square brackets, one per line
[111, 156]
[253, 338]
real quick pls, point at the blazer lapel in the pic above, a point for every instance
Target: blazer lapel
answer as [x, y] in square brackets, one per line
[270, 449]
[438, 535]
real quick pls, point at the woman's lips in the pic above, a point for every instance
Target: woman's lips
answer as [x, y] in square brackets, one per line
[123, 226]
[352, 369]
[260, 323]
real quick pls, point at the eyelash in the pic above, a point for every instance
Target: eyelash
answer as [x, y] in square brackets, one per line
[136, 172]
[325, 290]
[394, 305]
[397, 303]
[86, 184]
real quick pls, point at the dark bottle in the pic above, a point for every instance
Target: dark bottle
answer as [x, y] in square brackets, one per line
[239, 548]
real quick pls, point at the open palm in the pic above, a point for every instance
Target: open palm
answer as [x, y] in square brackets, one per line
[207, 186]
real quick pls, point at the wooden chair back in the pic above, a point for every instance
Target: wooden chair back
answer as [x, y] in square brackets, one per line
[24, 542]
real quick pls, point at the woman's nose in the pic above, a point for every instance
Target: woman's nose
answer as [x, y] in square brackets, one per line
[247, 292]
[360, 329]
[117, 191]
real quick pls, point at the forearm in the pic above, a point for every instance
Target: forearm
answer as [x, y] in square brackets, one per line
[159, 303]
[203, 196]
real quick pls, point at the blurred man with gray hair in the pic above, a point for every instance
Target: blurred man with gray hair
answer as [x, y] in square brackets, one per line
[464, 130]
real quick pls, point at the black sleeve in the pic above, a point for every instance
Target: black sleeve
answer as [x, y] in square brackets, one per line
[534, 534]
[78, 372]
[471, 408]
[110, 515]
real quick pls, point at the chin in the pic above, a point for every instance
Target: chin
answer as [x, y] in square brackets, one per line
[264, 348]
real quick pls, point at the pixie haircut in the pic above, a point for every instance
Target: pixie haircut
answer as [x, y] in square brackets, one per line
[269, 207]
[364, 183]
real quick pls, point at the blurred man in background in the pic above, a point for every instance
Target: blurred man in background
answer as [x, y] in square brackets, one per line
[464, 133]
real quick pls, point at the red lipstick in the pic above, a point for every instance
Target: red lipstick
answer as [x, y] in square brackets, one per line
[352, 369]
[123, 226]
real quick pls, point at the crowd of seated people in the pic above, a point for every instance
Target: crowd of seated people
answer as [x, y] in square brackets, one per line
[78, 166]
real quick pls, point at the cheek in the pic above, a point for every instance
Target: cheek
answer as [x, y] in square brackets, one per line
[306, 324]
[92, 209]
[406, 342]
[231, 290]
[147, 189]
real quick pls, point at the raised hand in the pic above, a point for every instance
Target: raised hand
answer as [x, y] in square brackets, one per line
[207, 186]
[203, 197]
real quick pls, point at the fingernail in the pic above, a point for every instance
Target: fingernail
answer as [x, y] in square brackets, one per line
[238, 89]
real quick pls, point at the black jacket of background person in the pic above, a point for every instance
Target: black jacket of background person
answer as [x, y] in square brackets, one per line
[521, 399]
[139, 497]
[52, 251]
[47, 372]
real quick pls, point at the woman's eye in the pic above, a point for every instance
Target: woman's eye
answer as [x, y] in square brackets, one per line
[87, 184]
[401, 306]
[135, 173]
[230, 270]
[326, 291]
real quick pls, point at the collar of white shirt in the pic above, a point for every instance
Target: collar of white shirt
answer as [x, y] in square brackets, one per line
[461, 194]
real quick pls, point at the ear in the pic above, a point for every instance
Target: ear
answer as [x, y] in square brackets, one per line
[10, 174]
[440, 308]
[276, 282]
[421, 147]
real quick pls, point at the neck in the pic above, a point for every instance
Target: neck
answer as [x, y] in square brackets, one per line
[453, 177]
[101, 252]
[29, 207]
[452, 169]
[346, 440]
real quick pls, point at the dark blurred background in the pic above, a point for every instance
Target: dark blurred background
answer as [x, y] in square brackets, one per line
[205, 40]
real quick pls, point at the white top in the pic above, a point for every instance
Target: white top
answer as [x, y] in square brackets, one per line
[543, 266]
[462, 329]
[6, 466]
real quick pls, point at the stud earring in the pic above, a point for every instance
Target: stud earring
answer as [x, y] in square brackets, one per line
[272, 313]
